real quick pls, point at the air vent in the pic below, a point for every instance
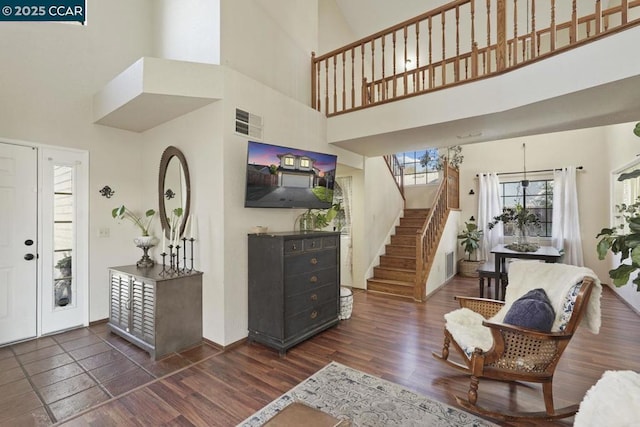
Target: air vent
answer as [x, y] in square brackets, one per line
[248, 124]
[449, 266]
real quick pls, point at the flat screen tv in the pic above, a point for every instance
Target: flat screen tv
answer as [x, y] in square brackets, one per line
[284, 177]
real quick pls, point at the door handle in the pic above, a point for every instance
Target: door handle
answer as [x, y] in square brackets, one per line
[29, 257]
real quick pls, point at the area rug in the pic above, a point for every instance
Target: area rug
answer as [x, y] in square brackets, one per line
[366, 400]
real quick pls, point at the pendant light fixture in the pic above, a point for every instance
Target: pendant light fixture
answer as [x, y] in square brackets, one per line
[525, 182]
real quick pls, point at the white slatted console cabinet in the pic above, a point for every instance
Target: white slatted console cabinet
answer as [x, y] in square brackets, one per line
[157, 312]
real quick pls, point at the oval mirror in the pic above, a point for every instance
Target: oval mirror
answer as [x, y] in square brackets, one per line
[174, 190]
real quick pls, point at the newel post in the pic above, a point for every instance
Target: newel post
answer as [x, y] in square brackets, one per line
[501, 30]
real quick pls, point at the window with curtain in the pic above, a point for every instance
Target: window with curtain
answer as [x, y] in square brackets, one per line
[538, 198]
[418, 171]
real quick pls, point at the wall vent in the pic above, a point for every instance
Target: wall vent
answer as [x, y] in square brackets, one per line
[248, 124]
[449, 265]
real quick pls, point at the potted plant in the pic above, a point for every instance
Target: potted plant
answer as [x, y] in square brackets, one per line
[143, 223]
[470, 241]
[623, 239]
[521, 218]
[317, 219]
[64, 265]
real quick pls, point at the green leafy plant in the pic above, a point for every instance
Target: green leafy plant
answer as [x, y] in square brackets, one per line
[623, 239]
[454, 156]
[142, 222]
[319, 218]
[470, 238]
[519, 216]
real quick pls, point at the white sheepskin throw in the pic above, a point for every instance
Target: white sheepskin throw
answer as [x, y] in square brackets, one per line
[465, 326]
[614, 401]
[556, 280]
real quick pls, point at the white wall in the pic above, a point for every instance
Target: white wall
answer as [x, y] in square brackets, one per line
[333, 30]
[187, 30]
[587, 148]
[271, 42]
[199, 135]
[383, 206]
[420, 196]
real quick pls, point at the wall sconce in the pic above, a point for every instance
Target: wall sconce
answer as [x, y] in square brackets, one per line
[107, 192]
[471, 192]
[472, 219]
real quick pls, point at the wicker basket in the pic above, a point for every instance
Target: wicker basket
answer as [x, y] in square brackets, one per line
[468, 268]
[346, 303]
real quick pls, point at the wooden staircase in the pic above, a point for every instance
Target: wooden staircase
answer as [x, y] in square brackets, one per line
[396, 273]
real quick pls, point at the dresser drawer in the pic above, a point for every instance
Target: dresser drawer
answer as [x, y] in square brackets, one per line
[293, 246]
[314, 297]
[330, 241]
[309, 261]
[309, 318]
[312, 280]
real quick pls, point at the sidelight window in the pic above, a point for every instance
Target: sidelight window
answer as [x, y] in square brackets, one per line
[63, 235]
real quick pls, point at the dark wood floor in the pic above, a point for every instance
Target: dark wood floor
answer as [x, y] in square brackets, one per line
[388, 337]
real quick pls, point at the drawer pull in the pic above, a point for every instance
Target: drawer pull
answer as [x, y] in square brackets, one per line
[314, 297]
[314, 314]
[314, 261]
[313, 279]
[294, 247]
[313, 244]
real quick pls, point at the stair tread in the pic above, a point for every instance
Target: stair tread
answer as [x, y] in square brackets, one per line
[406, 270]
[392, 282]
[399, 256]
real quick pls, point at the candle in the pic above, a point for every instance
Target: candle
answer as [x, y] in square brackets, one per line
[164, 242]
[193, 230]
[187, 227]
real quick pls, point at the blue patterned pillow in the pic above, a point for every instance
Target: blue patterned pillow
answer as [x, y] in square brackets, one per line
[533, 310]
[567, 305]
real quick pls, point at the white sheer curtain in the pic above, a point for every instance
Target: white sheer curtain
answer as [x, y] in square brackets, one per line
[565, 229]
[345, 183]
[489, 206]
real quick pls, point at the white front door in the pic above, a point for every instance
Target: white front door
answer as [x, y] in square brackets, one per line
[18, 242]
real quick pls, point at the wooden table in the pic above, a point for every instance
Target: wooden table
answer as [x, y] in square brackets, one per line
[544, 253]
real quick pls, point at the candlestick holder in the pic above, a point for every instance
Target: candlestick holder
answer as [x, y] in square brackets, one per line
[191, 240]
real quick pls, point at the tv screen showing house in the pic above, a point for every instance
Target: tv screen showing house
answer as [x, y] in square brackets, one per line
[284, 177]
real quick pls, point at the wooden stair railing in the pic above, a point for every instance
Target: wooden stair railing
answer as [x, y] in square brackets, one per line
[428, 238]
[404, 267]
[397, 171]
[459, 42]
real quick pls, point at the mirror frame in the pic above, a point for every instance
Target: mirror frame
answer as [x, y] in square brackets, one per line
[168, 154]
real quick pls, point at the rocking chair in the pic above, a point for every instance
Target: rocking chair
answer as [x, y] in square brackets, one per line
[495, 350]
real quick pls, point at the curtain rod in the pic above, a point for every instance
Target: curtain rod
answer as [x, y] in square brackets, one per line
[536, 171]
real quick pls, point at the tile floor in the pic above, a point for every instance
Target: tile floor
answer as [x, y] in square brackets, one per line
[48, 379]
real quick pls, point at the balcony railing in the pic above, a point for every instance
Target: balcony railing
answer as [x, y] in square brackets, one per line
[462, 41]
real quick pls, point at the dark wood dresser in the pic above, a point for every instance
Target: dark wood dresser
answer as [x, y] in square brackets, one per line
[294, 286]
[159, 313]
